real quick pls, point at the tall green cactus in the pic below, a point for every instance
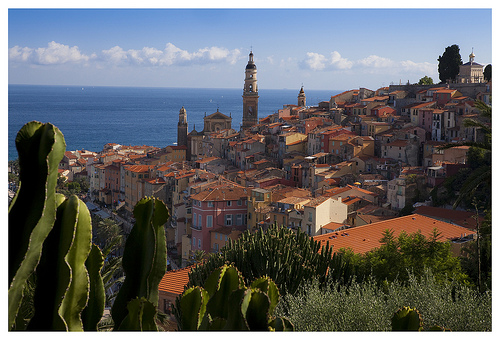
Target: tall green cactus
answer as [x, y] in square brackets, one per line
[62, 287]
[144, 261]
[288, 258]
[32, 212]
[50, 245]
[225, 303]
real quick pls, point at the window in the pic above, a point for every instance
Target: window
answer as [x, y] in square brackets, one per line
[199, 220]
[226, 238]
[229, 219]
[199, 243]
[239, 219]
[239, 202]
[215, 236]
[194, 219]
[194, 241]
[210, 204]
[216, 247]
[228, 203]
[209, 221]
[310, 216]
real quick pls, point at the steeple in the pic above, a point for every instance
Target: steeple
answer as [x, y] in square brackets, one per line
[250, 95]
[301, 98]
[182, 128]
[472, 56]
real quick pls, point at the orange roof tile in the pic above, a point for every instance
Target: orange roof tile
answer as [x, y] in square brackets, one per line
[223, 192]
[365, 238]
[174, 281]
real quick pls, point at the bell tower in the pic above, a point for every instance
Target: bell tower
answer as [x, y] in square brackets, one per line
[182, 128]
[250, 95]
[301, 98]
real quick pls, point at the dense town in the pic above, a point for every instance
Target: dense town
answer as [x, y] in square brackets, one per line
[342, 170]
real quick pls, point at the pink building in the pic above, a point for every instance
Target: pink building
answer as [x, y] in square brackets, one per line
[222, 205]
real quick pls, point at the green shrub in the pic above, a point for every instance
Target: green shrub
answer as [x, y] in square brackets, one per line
[368, 306]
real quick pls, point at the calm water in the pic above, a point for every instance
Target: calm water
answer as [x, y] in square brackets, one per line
[90, 117]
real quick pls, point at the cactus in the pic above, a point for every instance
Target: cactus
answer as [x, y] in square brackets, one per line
[289, 259]
[144, 259]
[92, 313]
[406, 319]
[61, 292]
[50, 246]
[227, 304]
[410, 319]
[32, 212]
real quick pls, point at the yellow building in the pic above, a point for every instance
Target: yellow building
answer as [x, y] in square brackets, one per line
[258, 207]
[134, 183]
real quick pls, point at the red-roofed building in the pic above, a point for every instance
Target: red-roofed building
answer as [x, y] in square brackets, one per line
[222, 205]
[172, 285]
[367, 237]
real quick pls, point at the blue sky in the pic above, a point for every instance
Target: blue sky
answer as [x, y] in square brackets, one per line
[330, 49]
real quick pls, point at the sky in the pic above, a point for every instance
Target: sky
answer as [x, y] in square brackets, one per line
[318, 48]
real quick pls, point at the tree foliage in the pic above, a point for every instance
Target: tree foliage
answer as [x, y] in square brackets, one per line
[368, 306]
[426, 80]
[487, 73]
[449, 63]
[474, 181]
[397, 257]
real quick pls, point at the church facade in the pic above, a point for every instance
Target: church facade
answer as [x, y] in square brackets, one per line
[471, 72]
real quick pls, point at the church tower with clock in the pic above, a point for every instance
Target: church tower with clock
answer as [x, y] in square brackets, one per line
[250, 95]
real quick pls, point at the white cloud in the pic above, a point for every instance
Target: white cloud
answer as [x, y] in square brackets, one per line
[338, 62]
[371, 64]
[20, 54]
[374, 61]
[411, 66]
[53, 54]
[315, 61]
[171, 55]
[318, 62]
[56, 53]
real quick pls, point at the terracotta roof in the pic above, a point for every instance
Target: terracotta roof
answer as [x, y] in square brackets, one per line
[174, 281]
[333, 226]
[206, 160]
[70, 155]
[316, 201]
[223, 192]
[461, 218]
[398, 142]
[367, 237]
[138, 168]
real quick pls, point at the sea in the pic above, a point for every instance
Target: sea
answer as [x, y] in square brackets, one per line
[91, 116]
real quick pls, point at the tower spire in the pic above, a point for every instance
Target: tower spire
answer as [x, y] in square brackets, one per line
[250, 94]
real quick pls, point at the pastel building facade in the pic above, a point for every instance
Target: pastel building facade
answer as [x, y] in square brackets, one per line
[223, 205]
